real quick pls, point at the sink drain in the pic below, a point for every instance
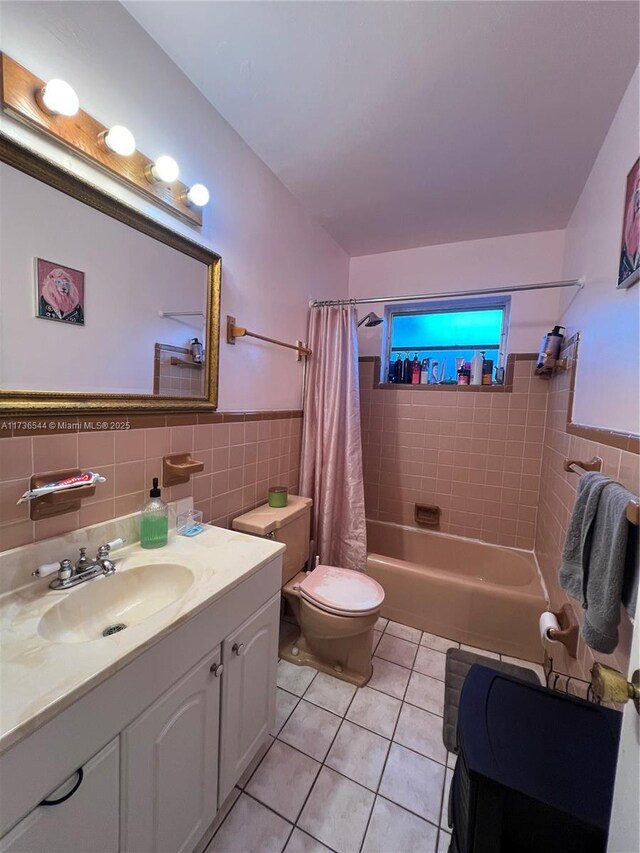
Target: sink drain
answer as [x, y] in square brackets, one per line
[113, 629]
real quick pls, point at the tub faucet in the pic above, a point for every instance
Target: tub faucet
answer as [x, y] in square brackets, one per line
[84, 569]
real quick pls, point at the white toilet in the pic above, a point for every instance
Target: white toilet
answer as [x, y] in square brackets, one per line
[336, 609]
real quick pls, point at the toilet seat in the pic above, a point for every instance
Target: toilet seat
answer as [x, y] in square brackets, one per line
[342, 592]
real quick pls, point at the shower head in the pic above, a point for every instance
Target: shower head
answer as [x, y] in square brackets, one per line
[371, 320]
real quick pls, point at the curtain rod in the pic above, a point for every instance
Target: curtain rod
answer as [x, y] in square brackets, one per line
[317, 303]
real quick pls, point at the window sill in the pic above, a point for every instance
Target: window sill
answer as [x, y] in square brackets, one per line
[501, 389]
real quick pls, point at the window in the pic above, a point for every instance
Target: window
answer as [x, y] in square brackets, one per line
[443, 332]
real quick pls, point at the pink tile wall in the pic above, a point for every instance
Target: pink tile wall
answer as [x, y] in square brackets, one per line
[557, 498]
[476, 455]
[241, 460]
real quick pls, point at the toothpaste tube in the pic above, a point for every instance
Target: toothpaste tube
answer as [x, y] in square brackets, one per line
[89, 478]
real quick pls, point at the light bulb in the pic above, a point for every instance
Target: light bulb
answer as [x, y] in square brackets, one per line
[198, 195]
[120, 140]
[58, 98]
[165, 170]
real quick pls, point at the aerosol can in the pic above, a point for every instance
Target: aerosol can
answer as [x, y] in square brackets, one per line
[550, 349]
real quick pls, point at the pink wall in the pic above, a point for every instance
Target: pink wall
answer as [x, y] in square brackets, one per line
[275, 257]
[607, 392]
[495, 262]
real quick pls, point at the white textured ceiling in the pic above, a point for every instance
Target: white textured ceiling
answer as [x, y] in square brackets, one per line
[401, 124]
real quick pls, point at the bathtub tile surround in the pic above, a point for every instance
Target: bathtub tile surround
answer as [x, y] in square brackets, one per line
[476, 455]
[557, 498]
[382, 784]
[242, 458]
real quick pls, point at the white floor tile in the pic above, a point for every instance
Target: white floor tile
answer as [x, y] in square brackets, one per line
[285, 703]
[283, 780]
[426, 692]
[421, 731]
[375, 711]
[396, 650]
[242, 781]
[444, 813]
[451, 759]
[414, 782]
[330, 693]
[430, 662]
[358, 754]
[444, 840]
[223, 811]
[394, 829]
[300, 842]
[389, 677]
[440, 644]
[480, 651]
[250, 828]
[294, 679]
[337, 812]
[376, 640]
[536, 667]
[310, 729]
[381, 624]
[403, 631]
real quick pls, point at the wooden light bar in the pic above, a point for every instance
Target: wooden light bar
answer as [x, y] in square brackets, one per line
[81, 133]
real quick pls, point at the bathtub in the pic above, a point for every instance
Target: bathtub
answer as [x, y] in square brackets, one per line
[469, 591]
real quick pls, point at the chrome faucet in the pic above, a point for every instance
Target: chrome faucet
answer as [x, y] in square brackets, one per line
[84, 569]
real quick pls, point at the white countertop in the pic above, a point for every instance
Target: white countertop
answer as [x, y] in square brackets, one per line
[39, 677]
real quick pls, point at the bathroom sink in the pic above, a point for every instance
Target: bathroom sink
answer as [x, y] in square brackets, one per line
[106, 606]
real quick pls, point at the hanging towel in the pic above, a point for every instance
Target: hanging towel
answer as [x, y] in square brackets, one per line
[574, 568]
[601, 542]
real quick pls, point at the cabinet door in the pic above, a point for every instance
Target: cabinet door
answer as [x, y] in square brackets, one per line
[87, 822]
[170, 765]
[250, 657]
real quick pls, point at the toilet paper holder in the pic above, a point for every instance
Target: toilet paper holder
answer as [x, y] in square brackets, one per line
[568, 633]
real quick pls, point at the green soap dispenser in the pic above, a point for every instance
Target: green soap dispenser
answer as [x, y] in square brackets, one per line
[154, 527]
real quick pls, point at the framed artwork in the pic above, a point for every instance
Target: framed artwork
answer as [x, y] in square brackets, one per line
[59, 293]
[629, 269]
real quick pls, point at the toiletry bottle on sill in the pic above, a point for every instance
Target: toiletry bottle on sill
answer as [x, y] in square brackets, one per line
[415, 370]
[424, 372]
[476, 369]
[154, 525]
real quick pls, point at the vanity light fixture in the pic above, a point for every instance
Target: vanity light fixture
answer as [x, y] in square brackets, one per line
[198, 195]
[120, 140]
[57, 97]
[165, 170]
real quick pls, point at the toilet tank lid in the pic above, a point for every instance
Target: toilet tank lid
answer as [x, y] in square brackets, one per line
[265, 519]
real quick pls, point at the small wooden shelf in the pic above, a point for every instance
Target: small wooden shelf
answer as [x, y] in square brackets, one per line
[57, 503]
[179, 468]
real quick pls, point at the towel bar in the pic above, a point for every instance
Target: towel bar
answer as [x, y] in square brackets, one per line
[577, 467]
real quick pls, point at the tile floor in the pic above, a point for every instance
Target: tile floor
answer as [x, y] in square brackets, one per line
[351, 770]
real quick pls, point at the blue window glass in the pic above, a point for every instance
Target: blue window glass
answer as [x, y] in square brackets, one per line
[444, 337]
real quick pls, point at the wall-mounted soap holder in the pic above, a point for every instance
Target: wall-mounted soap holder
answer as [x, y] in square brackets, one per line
[178, 468]
[427, 514]
[57, 503]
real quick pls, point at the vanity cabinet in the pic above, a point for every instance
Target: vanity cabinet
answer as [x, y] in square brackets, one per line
[87, 820]
[170, 765]
[250, 658]
[181, 722]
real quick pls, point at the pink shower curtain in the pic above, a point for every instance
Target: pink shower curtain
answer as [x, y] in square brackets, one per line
[331, 455]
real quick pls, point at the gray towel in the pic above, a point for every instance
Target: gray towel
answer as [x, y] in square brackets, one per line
[574, 568]
[598, 542]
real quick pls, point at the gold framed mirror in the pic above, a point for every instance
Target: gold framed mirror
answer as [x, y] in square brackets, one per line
[58, 228]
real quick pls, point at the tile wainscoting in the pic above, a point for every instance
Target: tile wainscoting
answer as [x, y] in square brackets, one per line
[557, 497]
[243, 454]
[476, 455]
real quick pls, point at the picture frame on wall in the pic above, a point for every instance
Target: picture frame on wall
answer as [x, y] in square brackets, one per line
[629, 269]
[59, 293]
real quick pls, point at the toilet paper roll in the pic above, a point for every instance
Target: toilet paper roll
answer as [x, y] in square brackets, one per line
[548, 622]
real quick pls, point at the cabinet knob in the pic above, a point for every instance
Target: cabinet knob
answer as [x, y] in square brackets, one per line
[237, 649]
[216, 669]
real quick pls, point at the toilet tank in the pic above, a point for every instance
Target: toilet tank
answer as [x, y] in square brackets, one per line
[289, 525]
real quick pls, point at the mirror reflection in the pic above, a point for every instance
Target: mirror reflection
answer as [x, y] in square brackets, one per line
[90, 304]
